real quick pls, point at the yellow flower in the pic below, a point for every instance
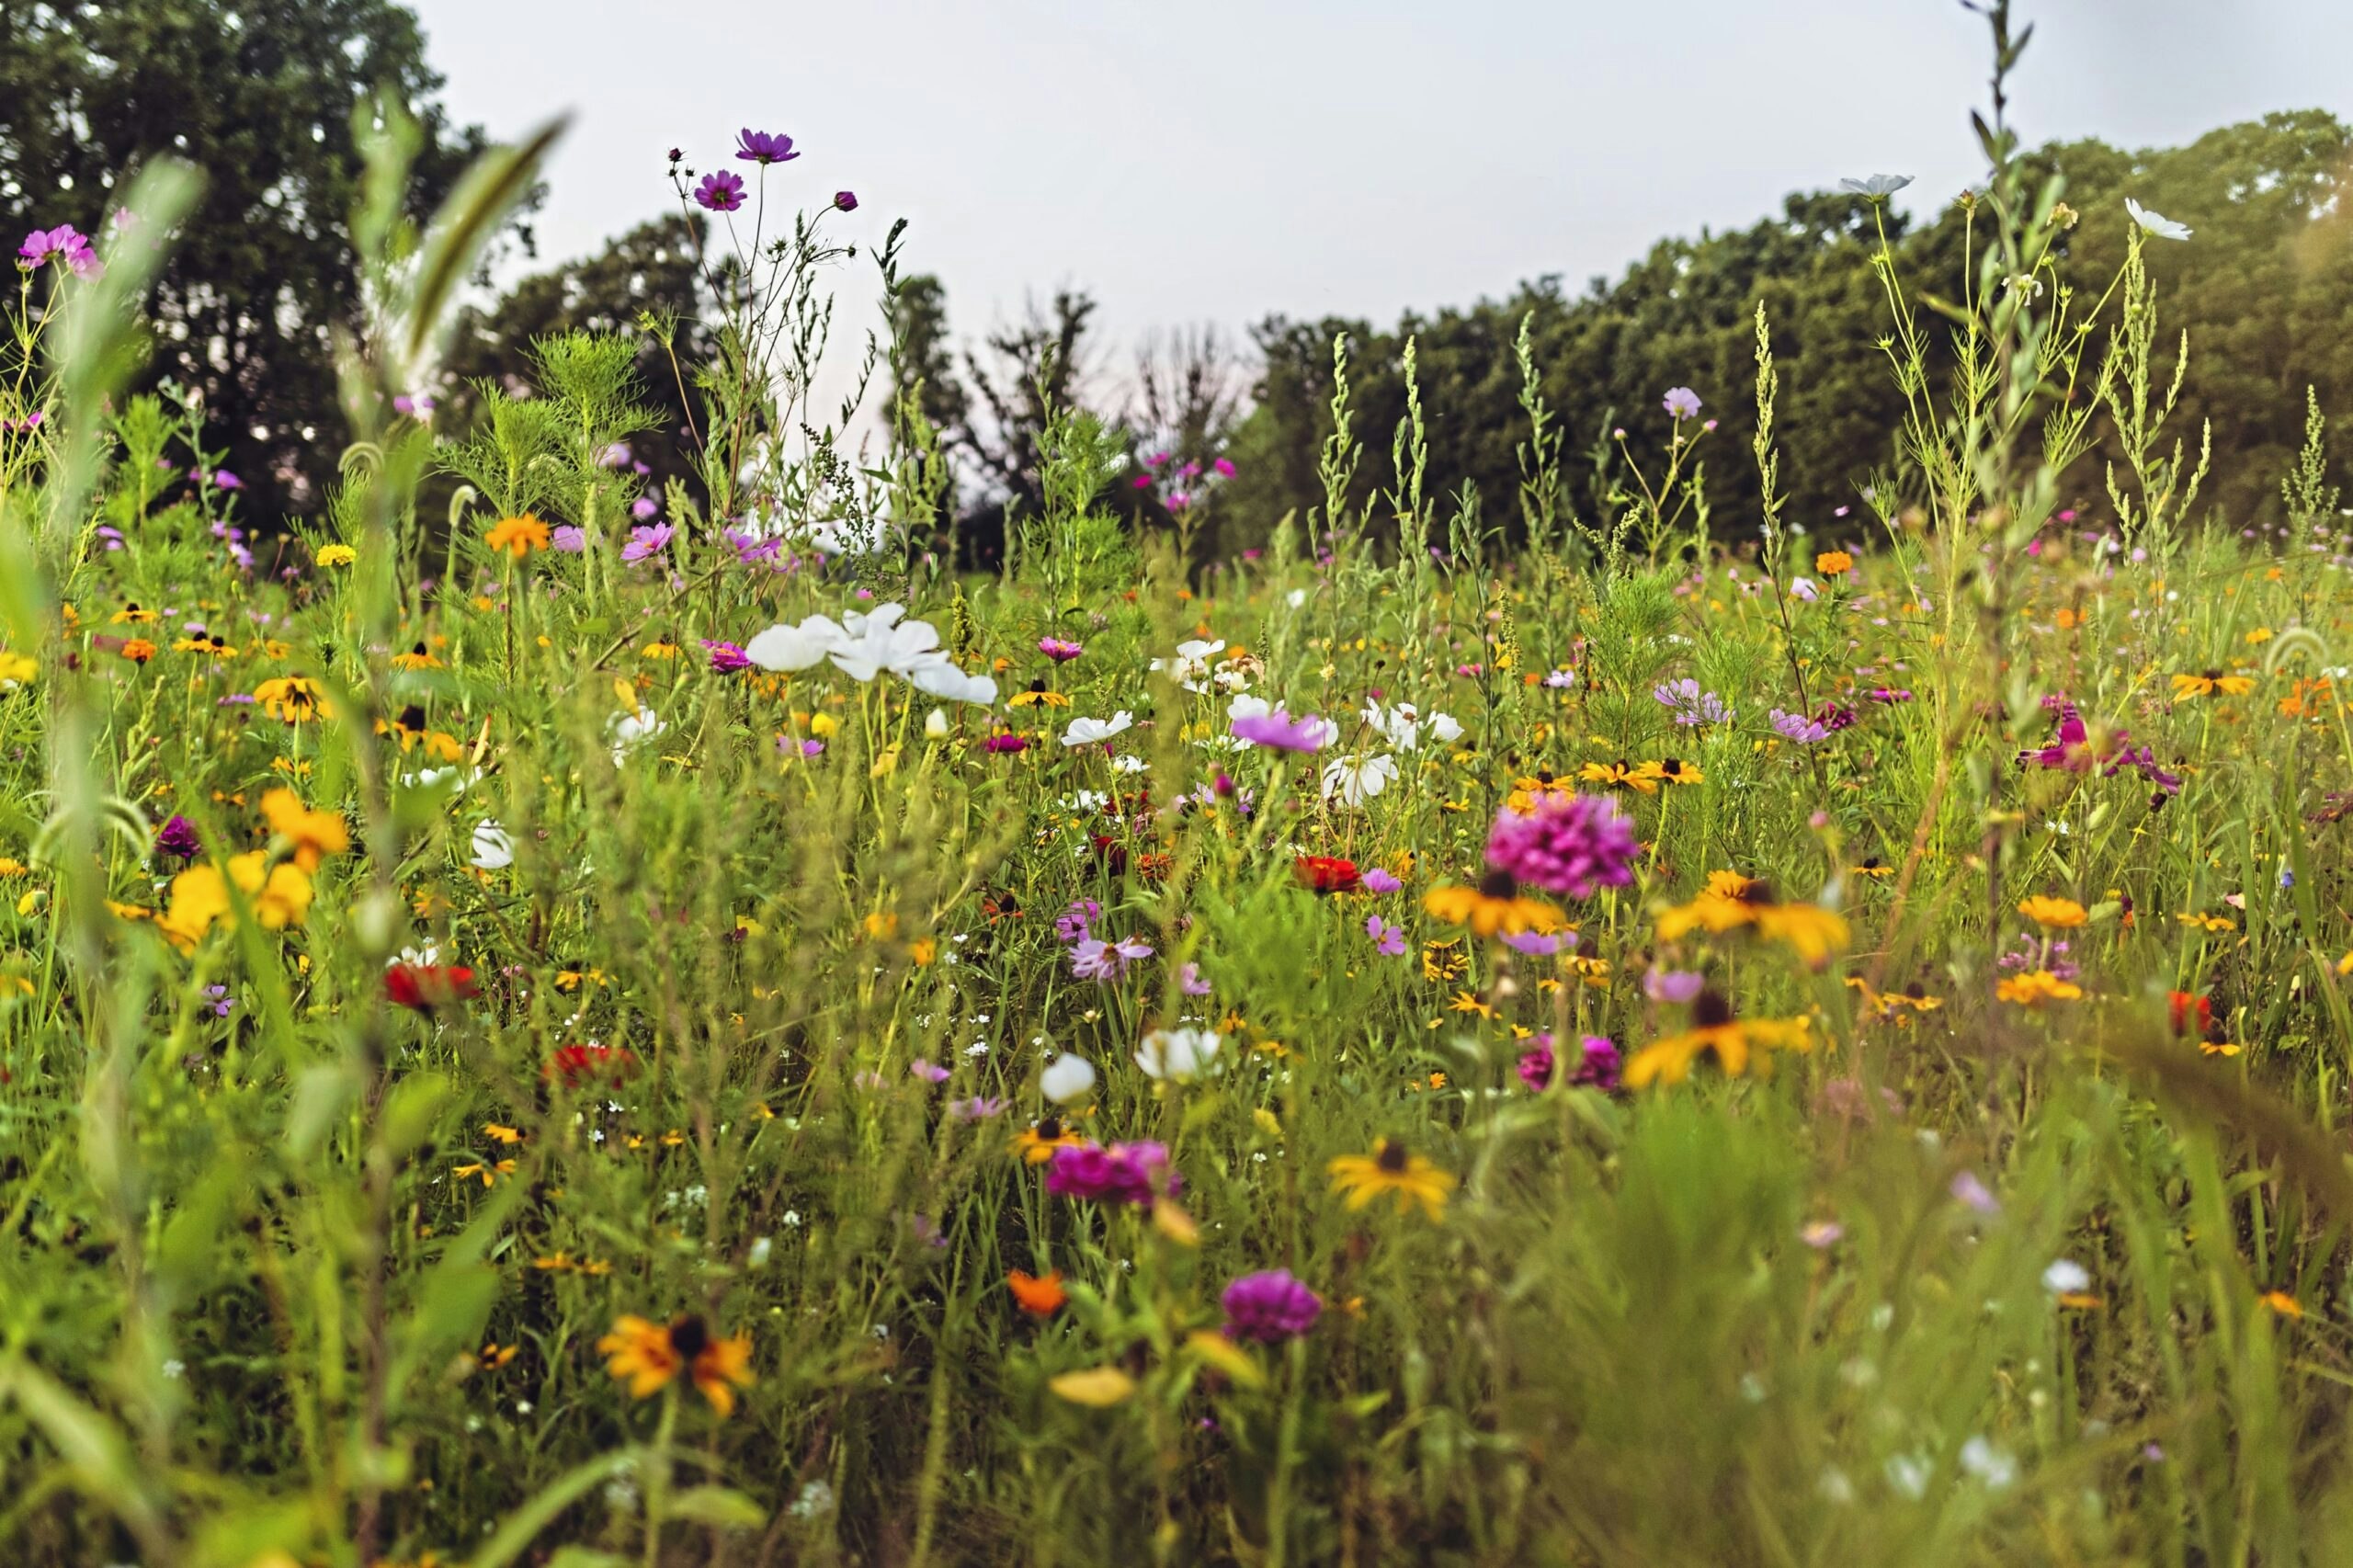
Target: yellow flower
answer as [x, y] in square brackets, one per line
[1732, 900]
[316, 834]
[1097, 1388]
[138, 650]
[295, 698]
[419, 657]
[1833, 563]
[1618, 776]
[647, 1355]
[1389, 1168]
[1714, 1029]
[2209, 923]
[1036, 1144]
[134, 615]
[336, 555]
[2284, 1304]
[15, 670]
[1673, 770]
[2057, 913]
[2035, 987]
[517, 537]
[1495, 905]
[2208, 682]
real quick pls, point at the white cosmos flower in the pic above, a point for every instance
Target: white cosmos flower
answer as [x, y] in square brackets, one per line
[942, 678]
[1190, 667]
[1128, 764]
[1352, 780]
[795, 647]
[1876, 185]
[1404, 724]
[1088, 732]
[629, 729]
[2156, 224]
[493, 848]
[1067, 1078]
[880, 641]
[1178, 1055]
[2065, 1276]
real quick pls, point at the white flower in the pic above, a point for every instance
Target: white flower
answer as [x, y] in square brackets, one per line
[880, 641]
[432, 778]
[629, 729]
[1128, 764]
[934, 724]
[493, 848]
[1178, 1055]
[1352, 780]
[1088, 732]
[1989, 1464]
[795, 647]
[945, 680]
[2156, 224]
[1067, 1078]
[1876, 185]
[1296, 598]
[1403, 725]
[1190, 667]
[2066, 1277]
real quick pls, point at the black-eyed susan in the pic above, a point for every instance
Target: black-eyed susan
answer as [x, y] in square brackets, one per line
[1673, 771]
[1036, 695]
[647, 1355]
[2035, 987]
[1872, 866]
[419, 657]
[1734, 1041]
[133, 614]
[313, 835]
[295, 698]
[1619, 775]
[1730, 902]
[1390, 1169]
[1446, 961]
[1036, 1144]
[2211, 683]
[1494, 906]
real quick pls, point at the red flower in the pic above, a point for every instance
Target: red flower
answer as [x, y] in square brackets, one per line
[425, 986]
[1327, 873]
[2181, 1005]
[578, 1064]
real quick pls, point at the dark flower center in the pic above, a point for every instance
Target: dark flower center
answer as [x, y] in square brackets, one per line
[688, 1337]
[1392, 1157]
[1498, 885]
[1050, 1129]
[1711, 1011]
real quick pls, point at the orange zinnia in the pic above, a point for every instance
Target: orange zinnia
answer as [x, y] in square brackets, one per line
[1039, 1296]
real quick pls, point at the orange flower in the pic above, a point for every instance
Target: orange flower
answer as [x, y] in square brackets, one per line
[1833, 563]
[517, 537]
[1039, 1296]
[647, 1355]
[138, 650]
[316, 835]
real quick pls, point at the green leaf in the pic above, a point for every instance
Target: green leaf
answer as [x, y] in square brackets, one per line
[409, 1112]
[718, 1506]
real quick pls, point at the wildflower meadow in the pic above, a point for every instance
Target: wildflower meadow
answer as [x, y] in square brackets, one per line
[606, 996]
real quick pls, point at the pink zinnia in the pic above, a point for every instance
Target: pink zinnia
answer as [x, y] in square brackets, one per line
[1271, 1307]
[1573, 844]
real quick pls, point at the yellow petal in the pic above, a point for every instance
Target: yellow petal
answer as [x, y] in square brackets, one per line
[1097, 1388]
[1226, 1356]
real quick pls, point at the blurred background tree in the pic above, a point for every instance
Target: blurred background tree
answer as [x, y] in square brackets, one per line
[260, 94]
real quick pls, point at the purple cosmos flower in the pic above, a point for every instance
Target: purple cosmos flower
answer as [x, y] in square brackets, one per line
[1973, 1193]
[1388, 940]
[1223, 467]
[1189, 981]
[980, 1107]
[1379, 881]
[750, 548]
[218, 1001]
[1798, 729]
[1539, 944]
[1062, 653]
[720, 191]
[1574, 845]
[225, 480]
[618, 455]
[1123, 1172]
[1677, 986]
[179, 840]
[1561, 680]
[645, 508]
[569, 539]
[65, 244]
[1692, 707]
[845, 200]
[1682, 403]
[1076, 922]
[1269, 1307]
[763, 148]
[1890, 695]
[1803, 590]
[1283, 732]
[726, 658]
[930, 1072]
[109, 536]
[645, 540]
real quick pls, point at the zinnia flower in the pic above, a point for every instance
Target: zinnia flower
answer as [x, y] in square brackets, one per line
[179, 840]
[1327, 873]
[1122, 1173]
[1571, 844]
[424, 986]
[1269, 1307]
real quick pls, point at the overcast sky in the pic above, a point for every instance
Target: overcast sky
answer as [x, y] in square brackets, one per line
[1220, 160]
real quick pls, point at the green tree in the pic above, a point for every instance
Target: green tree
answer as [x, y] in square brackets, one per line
[262, 95]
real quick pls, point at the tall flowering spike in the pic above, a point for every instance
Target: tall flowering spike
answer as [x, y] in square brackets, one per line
[1573, 844]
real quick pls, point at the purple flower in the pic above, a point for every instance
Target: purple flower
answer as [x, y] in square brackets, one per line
[843, 200]
[225, 480]
[1076, 922]
[1283, 732]
[980, 1107]
[1091, 959]
[1223, 466]
[1123, 1172]
[1972, 1193]
[720, 191]
[1574, 845]
[1536, 1064]
[217, 999]
[1677, 986]
[999, 744]
[1802, 589]
[1388, 940]
[726, 658]
[1539, 944]
[645, 508]
[1798, 729]
[1062, 653]
[1601, 1065]
[750, 548]
[63, 244]
[179, 840]
[645, 540]
[1890, 695]
[1269, 1307]
[1561, 680]
[1379, 881]
[569, 539]
[1682, 403]
[763, 148]
[930, 1072]
[1692, 707]
[1189, 981]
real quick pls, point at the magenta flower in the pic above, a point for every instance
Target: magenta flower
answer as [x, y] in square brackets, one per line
[645, 508]
[1387, 940]
[179, 840]
[763, 148]
[845, 200]
[1076, 922]
[1574, 845]
[1123, 1172]
[930, 1072]
[1225, 467]
[980, 1107]
[1006, 743]
[720, 191]
[1269, 1307]
[726, 658]
[646, 540]
[1677, 986]
[1283, 732]
[1062, 653]
[65, 244]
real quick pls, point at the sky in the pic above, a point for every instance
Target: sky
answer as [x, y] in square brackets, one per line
[1225, 160]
